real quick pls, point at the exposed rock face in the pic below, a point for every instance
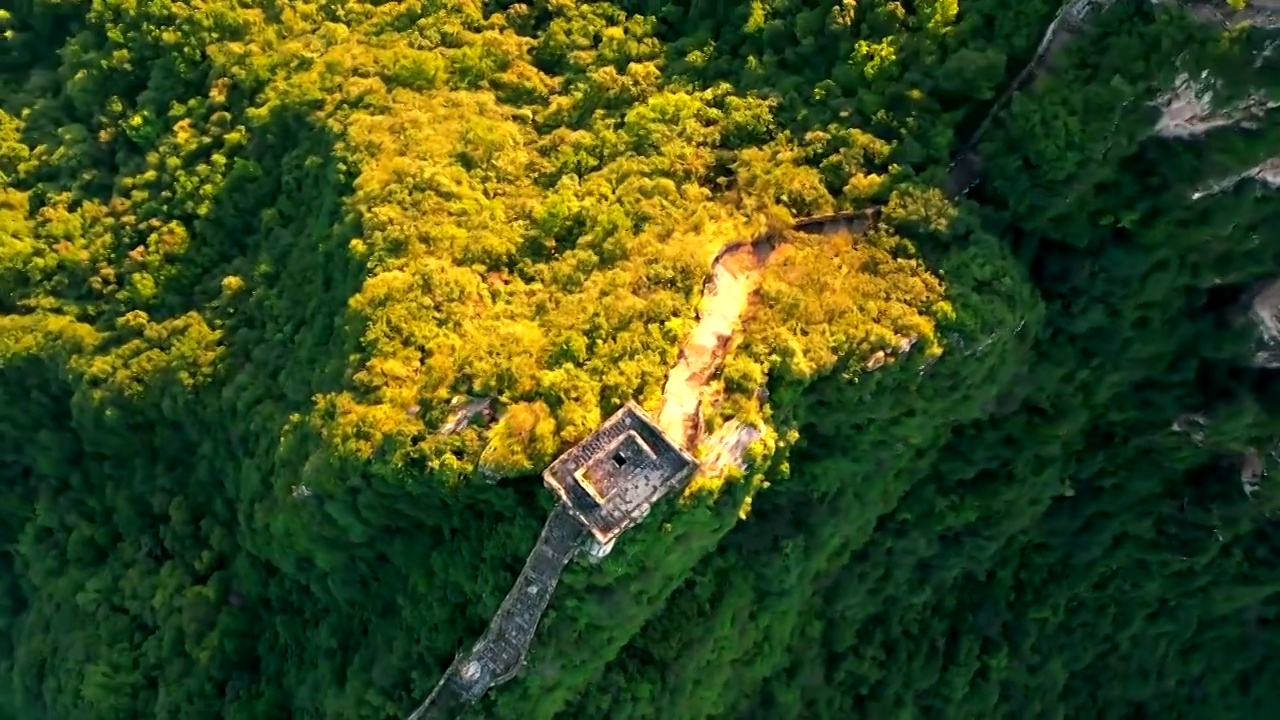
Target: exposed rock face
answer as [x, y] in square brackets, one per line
[1266, 172]
[1252, 469]
[1253, 464]
[1265, 311]
[1258, 13]
[464, 410]
[727, 447]
[1188, 110]
[1192, 424]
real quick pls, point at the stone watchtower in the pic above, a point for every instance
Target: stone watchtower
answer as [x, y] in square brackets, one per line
[609, 481]
[606, 484]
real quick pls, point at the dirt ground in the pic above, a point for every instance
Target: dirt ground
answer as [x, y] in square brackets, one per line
[734, 278]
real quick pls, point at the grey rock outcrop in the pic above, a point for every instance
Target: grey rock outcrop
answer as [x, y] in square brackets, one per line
[1264, 310]
[1188, 108]
[1266, 172]
[1256, 13]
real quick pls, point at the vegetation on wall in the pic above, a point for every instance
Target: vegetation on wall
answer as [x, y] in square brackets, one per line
[250, 251]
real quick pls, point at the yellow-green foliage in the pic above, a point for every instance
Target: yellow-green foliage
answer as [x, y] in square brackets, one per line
[829, 297]
[523, 442]
[521, 235]
[251, 250]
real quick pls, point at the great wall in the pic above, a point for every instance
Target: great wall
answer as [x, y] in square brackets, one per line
[501, 651]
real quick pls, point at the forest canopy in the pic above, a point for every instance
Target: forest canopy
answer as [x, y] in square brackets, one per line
[254, 255]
